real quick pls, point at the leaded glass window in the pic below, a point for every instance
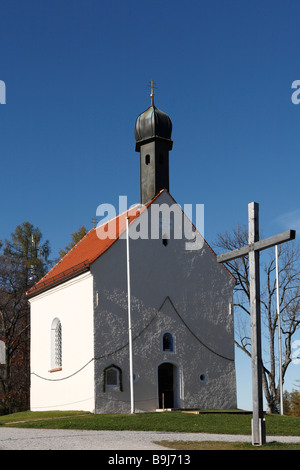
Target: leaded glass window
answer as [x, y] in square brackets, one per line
[56, 344]
[58, 348]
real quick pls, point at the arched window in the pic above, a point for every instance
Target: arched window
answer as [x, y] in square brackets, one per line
[168, 342]
[56, 345]
[112, 378]
[147, 159]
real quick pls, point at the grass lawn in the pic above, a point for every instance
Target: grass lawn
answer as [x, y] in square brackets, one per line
[217, 445]
[175, 421]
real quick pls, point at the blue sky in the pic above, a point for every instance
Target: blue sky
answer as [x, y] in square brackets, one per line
[76, 75]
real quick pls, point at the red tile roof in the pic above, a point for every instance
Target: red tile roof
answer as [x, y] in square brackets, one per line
[86, 251]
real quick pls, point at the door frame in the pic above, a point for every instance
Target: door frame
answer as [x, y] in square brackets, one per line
[176, 383]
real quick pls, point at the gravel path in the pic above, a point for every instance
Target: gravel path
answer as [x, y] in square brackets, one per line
[58, 439]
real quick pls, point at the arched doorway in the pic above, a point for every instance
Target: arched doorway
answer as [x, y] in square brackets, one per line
[167, 376]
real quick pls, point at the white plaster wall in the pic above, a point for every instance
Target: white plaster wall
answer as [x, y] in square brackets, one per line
[68, 389]
[198, 315]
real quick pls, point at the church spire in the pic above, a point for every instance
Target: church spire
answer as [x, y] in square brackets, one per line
[153, 129]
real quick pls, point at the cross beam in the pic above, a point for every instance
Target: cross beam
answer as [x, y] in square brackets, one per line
[252, 249]
[258, 246]
[152, 83]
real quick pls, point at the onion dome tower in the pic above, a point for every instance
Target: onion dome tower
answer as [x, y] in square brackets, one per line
[152, 133]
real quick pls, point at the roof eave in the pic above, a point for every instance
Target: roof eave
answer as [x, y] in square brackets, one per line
[33, 292]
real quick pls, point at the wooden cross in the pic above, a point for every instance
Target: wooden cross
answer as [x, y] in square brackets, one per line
[152, 83]
[252, 249]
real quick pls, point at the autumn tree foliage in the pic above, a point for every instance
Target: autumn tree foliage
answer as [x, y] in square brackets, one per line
[291, 403]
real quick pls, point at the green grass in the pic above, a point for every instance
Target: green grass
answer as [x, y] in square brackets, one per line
[175, 421]
[217, 445]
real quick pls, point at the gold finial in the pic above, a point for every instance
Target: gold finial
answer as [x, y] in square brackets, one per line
[152, 83]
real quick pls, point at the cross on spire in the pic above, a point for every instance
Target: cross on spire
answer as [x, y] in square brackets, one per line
[94, 220]
[152, 83]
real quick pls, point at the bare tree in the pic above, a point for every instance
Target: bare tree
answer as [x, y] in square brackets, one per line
[289, 287]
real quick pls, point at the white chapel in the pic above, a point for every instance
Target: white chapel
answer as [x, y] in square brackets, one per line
[181, 307]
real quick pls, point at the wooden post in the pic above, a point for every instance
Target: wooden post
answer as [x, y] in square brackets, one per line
[258, 428]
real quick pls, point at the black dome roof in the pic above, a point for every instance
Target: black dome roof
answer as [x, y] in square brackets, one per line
[152, 123]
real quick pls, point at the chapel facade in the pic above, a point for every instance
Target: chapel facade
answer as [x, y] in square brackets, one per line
[181, 307]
